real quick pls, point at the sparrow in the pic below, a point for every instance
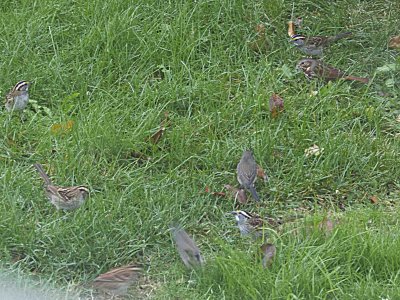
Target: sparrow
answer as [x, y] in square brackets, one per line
[18, 97]
[315, 68]
[275, 105]
[187, 248]
[268, 252]
[248, 223]
[67, 198]
[117, 281]
[247, 173]
[313, 45]
[252, 224]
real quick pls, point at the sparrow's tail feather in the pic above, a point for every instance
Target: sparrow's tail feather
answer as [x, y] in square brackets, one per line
[340, 36]
[254, 193]
[43, 174]
[359, 79]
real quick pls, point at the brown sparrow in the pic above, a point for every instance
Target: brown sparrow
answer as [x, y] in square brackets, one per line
[275, 105]
[187, 248]
[247, 173]
[313, 45]
[18, 97]
[67, 198]
[315, 68]
[117, 281]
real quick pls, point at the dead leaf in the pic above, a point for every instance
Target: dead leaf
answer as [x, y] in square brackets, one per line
[155, 138]
[313, 150]
[374, 199]
[260, 29]
[261, 173]
[290, 29]
[217, 194]
[238, 194]
[62, 128]
[268, 250]
[275, 105]
[394, 42]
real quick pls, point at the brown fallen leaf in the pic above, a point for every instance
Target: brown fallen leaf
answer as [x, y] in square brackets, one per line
[61, 128]
[218, 194]
[268, 251]
[290, 29]
[155, 138]
[275, 105]
[261, 173]
[374, 199]
[238, 194]
[394, 42]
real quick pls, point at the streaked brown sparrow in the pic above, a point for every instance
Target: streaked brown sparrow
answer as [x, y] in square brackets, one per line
[117, 281]
[247, 173]
[313, 45]
[315, 68]
[187, 248]
[67, 198]
[18, 97]
[275, 105]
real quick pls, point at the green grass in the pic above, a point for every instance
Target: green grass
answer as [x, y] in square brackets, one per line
[115, 67]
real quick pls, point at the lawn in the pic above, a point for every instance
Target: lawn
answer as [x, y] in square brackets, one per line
[107, 75]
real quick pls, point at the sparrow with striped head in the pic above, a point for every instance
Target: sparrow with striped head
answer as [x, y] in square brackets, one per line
[313, 45]
[66, 198]
[249, 224]
[18, 97]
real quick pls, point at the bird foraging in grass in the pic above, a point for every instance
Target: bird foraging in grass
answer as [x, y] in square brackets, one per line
[67, 198]
[313, 45]
[187, 248]
[247, 173]
[315, 68]
[117, 281]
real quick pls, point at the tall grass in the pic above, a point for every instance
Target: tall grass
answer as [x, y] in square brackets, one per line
[114, 68]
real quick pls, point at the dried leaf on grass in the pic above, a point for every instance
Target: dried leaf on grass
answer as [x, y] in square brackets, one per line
[236, 193]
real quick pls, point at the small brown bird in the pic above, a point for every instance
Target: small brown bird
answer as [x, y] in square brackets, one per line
[187, 248]
[117, 281]
[268, 251]
[247, 173]
[315, 68]
[275, 105]
[67, 198]
[313, 45]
